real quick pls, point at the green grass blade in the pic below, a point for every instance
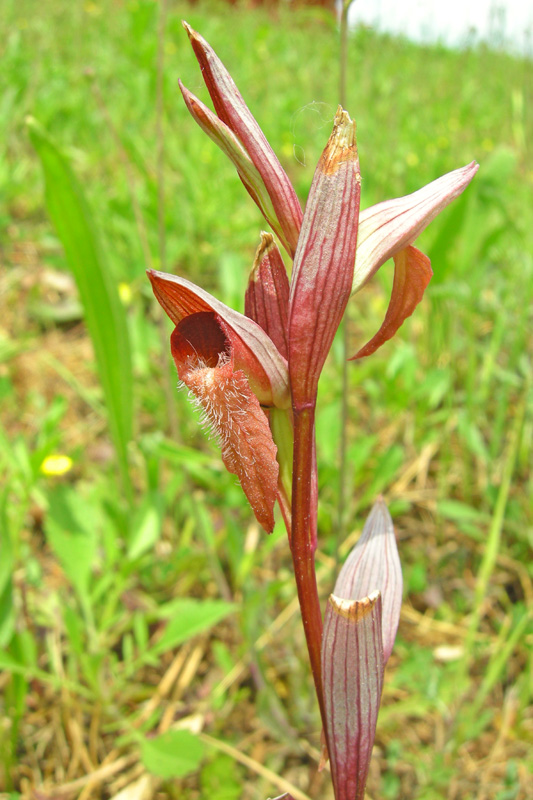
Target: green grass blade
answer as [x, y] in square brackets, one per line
[499, 661]
[492, 547]
[104, 314]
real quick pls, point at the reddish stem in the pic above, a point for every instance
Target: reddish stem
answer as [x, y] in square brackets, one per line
[303, 542]
[285, 507]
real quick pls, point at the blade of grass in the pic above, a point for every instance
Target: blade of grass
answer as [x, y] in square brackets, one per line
[499, 662]
[492, 547]
[10, 665]
[104, 314]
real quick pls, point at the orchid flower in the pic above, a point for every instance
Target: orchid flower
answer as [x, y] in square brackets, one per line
[386, 230]
[255, 378]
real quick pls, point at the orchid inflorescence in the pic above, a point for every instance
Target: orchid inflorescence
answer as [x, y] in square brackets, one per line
[255, 377]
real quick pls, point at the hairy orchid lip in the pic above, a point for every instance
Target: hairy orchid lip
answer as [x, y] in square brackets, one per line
[200, 337]
[204, 357]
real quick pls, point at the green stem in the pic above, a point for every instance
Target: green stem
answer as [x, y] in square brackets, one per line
[343, 52]
[341, 508]
[303, 542]
[492, 546]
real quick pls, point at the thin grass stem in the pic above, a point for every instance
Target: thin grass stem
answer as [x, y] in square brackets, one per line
[341, 506]
[128, 171]
[492, 548]
[168, 382]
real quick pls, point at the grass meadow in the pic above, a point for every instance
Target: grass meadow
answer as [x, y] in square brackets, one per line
[150, 640]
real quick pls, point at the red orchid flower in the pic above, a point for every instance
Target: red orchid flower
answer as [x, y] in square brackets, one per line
[230, 367]
[255, 378]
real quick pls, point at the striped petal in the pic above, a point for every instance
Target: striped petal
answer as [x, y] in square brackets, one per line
[352, 673]
[233, 111]
[324, 262]
[412, 274]
[267, 296]
[388, 227]
[374, 564]
[231, 146]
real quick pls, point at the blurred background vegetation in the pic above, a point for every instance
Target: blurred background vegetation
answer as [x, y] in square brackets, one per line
[150, 642]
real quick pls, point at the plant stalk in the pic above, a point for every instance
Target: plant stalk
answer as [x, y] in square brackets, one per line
[168, 375]
[341, 507]
[303, 542]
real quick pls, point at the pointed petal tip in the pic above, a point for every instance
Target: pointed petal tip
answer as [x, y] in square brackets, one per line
[344, 128]
[190, 31]
[380, 506]
[188, 96]
[380, 513]
[466, 174]
[389, 227]
[157, 277]
[341, 146]
[265, 246]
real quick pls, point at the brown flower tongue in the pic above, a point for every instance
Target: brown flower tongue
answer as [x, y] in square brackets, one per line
[198, 338]
[205, 361]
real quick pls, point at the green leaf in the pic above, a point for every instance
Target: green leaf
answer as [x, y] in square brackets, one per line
[70, 528]
[104, 313]
[468, 519]
[221, 779]
[7, 613]
[172, 755]
[146, 530]
[191, 617]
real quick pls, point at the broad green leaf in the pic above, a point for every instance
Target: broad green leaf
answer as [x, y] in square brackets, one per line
[7, 661]
[172, 755]
[70, 528]
[104, 314]
[191, 617]
[146, 530]
[75, 551]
